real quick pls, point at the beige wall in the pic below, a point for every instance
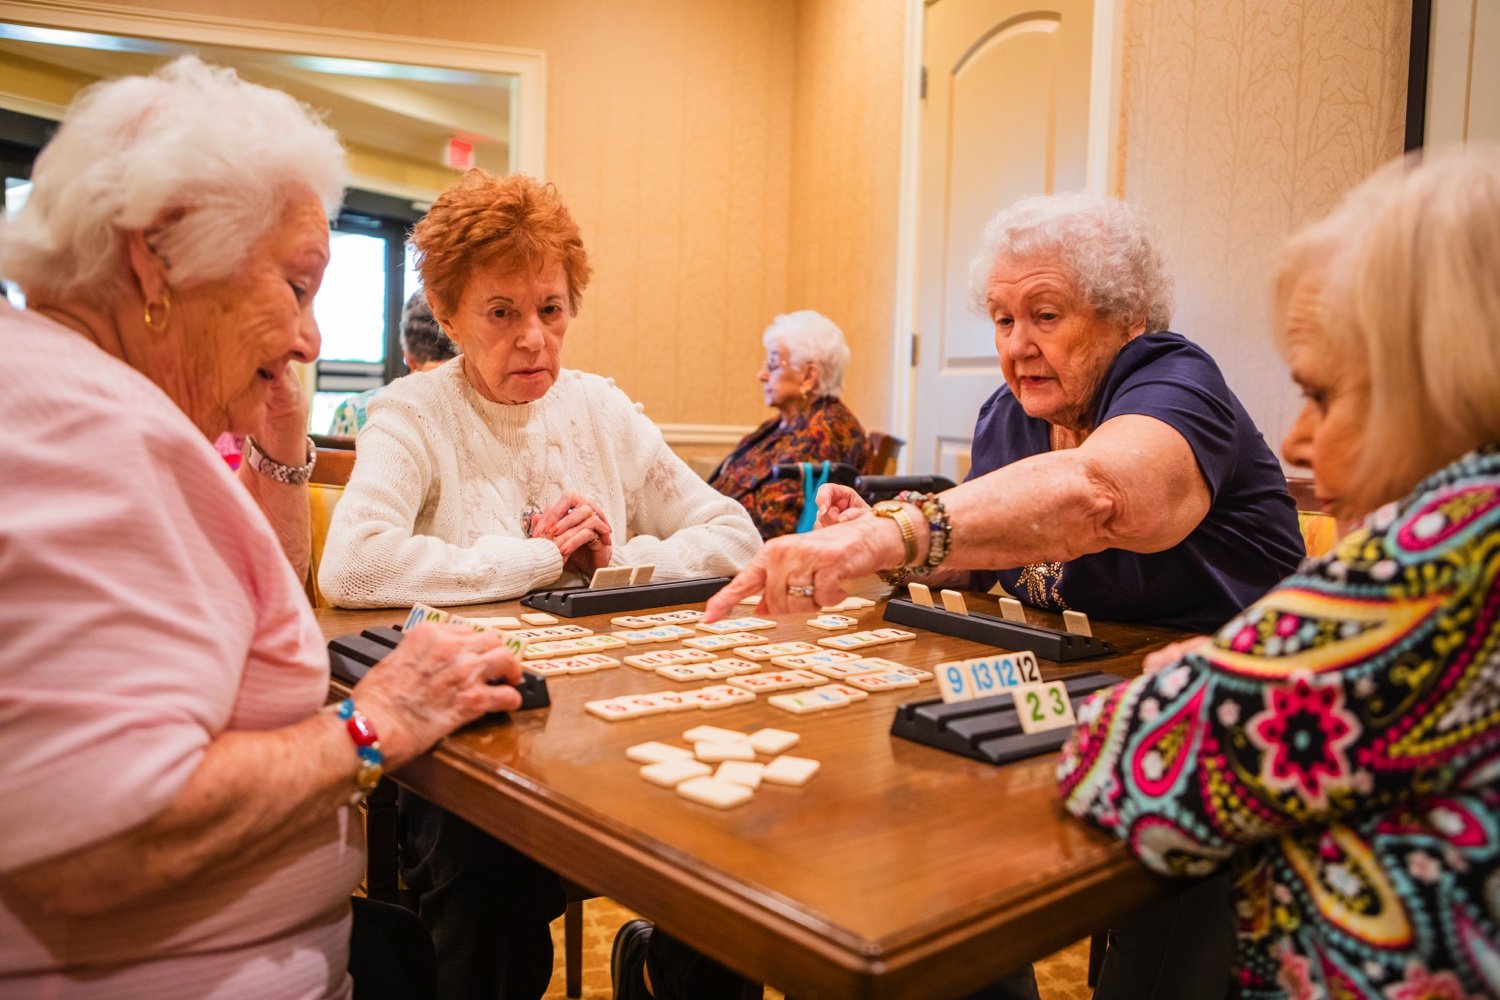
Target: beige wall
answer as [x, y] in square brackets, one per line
[669, 133]
[1243, 121]
[845, 184]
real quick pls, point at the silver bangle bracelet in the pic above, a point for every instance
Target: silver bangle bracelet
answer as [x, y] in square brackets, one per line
[292, 475]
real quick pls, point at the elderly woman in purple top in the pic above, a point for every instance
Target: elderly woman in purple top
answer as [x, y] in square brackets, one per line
[1114, 473]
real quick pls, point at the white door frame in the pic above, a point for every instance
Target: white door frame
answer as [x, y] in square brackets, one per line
[528, 110]
[1105, 177]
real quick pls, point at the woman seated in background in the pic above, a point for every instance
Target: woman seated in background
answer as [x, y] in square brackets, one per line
[493, 476]
[1114, 473]
[1337, 744]
[482, 480]
[424, 346]
[802, 377]
[178, 817]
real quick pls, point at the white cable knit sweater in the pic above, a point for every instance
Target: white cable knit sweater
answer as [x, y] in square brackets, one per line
[432, 513]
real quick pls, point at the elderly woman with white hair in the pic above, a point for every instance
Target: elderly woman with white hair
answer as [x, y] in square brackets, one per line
[1114, 473]
[179, 817]
[801, 378]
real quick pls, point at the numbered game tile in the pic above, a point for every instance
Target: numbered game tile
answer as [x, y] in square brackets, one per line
[847, 690]
[712, 792]
[737, 625]
[670, 773]
[654, 752]
[887, 680]
[806, 702]
[612, 709]
[538, 618]
[848, 604]
[850, 641]
[775, 649]
[678, 701]
[548, 668]
[893, 634]
[832, 623]
[713, 753]
[810, 661]
[915, 673]
[773, 741]
[741, 772]
[502, 622]
[790, 771]
[657, 633]
[714, 734]
[684, 671]
[722, 696]
[839, 671]
[728, 640]
[667, 657]
[730, 666]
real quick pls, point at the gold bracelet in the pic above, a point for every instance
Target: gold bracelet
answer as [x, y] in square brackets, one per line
[897, 512]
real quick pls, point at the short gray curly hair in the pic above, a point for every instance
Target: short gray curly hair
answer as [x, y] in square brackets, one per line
[190, 136]
[1108, 247]
[811, 336]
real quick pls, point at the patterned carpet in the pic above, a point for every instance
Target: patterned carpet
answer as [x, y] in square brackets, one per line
[1063, 976]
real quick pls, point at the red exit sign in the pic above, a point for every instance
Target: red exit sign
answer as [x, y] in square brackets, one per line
[459, 155]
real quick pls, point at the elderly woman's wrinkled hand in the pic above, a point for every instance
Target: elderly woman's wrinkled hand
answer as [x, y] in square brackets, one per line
[577, 526]
[837, 504]
[437, 679]
[805, 572]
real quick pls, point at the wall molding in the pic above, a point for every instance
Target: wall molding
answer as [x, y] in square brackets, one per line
[728, 435]
[528, 103]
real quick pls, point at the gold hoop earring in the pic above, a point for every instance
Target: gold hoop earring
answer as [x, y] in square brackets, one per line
[157, 324]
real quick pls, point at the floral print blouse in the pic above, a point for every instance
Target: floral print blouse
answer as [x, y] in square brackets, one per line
[827, 431]
[1338, 745]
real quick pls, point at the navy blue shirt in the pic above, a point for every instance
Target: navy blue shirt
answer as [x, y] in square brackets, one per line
[1248, 541]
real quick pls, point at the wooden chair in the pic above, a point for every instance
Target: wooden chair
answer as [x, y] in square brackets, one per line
[1319, 530]
[333, 466]
[880, 453]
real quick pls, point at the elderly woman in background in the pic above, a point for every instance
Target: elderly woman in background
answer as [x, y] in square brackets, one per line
[493, 476]
[1114, 473]
[424, 346]
[801, 378]
[506, 472]
[1337, 744]
[178, 810]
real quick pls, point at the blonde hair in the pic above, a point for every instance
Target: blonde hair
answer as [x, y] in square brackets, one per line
[1413, 296]
[190, 136]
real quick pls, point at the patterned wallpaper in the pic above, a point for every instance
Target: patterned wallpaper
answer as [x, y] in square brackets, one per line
[1243, 121]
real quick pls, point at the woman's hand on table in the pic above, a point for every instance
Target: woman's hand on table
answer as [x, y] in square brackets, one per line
[577, 526]
[436, 680]
[837, 504]
[1171, 653]
[785, 567]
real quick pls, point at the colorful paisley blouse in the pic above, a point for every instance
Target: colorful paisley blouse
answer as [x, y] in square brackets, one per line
[1339, 745]
[827, 431]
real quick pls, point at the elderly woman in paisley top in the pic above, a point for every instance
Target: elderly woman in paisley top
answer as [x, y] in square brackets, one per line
[802, 378]
[1114, 473]
[1336, 746]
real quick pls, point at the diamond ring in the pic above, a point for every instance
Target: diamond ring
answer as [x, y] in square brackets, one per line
[795, 591]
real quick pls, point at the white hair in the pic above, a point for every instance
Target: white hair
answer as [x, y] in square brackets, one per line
[1107, 247]
[192, 138]
[808, 335]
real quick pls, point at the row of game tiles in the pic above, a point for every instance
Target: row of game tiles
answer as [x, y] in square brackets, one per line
[711, 644]
[738, 774]
[823, 692]
[698, 665]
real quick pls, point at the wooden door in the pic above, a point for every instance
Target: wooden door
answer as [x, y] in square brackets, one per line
[1006, 114]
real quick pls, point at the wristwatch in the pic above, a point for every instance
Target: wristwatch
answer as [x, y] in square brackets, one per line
[292, 475]
[896, 511]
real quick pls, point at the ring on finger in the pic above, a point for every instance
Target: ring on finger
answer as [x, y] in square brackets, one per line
[793, 590]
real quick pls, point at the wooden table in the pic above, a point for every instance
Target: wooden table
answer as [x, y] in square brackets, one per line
[899, 871]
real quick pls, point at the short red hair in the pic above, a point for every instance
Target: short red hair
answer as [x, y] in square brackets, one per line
[483, 220]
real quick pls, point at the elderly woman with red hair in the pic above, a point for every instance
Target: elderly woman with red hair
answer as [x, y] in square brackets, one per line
[498, 473]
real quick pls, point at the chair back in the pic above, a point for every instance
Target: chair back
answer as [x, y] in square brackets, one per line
[881, 451]
[333, 467]
[1319, 530]
[322, 498]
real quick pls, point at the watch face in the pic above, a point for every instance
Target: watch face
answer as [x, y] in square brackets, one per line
[886, 505]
